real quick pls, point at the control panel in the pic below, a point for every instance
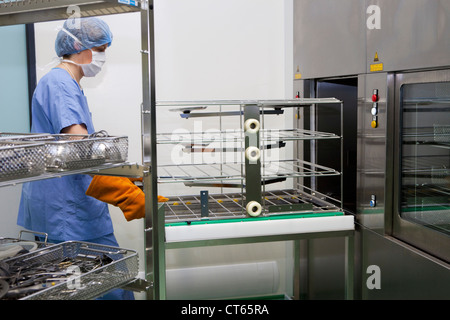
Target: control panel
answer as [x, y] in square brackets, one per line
[374, 110]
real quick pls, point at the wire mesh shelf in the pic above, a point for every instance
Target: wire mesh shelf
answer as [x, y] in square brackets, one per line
[237, 135]
[438, 135]
[214, 172]
[260, 103]
[232, 205]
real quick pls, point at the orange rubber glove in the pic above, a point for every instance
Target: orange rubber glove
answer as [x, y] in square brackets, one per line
[120, 192]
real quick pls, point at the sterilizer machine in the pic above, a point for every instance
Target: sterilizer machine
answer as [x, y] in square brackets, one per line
[388, 61]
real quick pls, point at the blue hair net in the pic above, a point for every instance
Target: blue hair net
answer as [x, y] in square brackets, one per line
[80, 34]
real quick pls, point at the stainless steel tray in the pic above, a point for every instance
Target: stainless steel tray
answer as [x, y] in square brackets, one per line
[20, 159]
[72, 270]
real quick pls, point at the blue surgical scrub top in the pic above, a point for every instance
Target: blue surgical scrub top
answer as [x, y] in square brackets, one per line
[59, 206]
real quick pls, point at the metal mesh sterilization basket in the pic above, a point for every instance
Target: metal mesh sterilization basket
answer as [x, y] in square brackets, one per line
[72, 270]
[59, 152]
[441, 133]
[19, 159]
[71, 152]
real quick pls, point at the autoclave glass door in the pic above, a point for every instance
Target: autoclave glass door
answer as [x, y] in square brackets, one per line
[422, 161]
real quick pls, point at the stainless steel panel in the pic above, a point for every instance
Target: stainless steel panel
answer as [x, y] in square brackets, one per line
[329, 38]
[405, 273]
[413, 34]
[336, 38]
[371, 150]
[325, 269]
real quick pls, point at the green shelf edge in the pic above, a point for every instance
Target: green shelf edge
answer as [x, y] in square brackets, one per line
[250, 219]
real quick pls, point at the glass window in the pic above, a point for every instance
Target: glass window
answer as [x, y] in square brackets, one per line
[425, 154]
[14, 106]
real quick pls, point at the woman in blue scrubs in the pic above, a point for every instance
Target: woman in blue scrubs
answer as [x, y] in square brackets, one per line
[59, 206]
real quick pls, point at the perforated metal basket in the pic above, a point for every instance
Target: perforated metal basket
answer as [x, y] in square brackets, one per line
[75, 284]
[14, 135]
[441, 133]
[20, 159]
[71, 152]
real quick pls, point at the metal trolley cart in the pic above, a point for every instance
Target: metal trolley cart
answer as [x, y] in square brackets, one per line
[247, 159]
[26, 157]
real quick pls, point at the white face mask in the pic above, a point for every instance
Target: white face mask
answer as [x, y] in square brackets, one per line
[93, 68]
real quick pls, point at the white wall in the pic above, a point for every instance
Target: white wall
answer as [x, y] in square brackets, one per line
[14, 112]
[205, 49]
[220, 49]
[13, 80]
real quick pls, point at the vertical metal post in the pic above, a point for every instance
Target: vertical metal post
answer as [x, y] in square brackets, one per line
[313, 122]
[154, 249]
[296, 270]
[160, 259]
[252, 167]
[204, 203]
[342, 155]
[31, 64]
[349, 266]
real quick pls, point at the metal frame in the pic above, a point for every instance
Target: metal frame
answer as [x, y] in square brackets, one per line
[425, 238]
[231, 205]
[349, 251]
[25, 12]
[220, 202]
[154, 230]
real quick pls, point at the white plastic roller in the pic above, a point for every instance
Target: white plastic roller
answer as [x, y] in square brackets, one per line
[253, 208]
[252, 153]
[251, 126]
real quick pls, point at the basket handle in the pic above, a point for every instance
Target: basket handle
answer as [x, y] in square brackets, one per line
[34, 232]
